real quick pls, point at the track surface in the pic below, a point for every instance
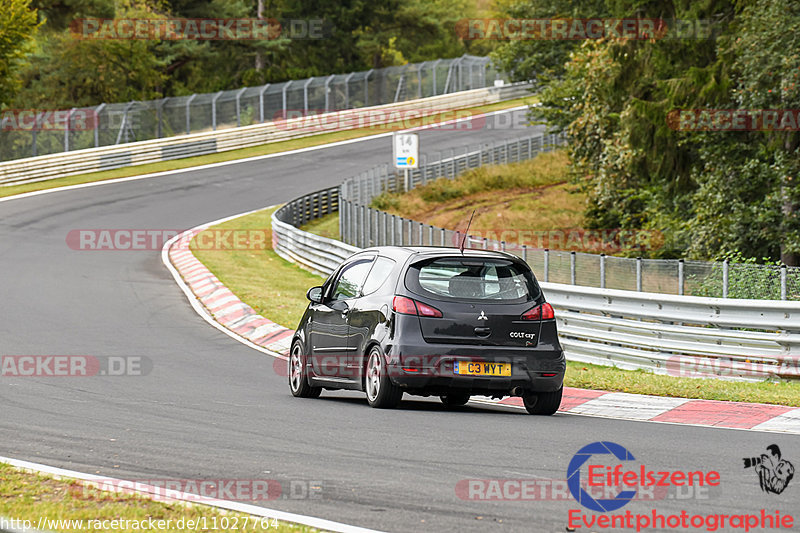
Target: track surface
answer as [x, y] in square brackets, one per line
[213, 408]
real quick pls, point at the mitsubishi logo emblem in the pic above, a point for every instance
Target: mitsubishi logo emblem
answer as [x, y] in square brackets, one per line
[483, 316]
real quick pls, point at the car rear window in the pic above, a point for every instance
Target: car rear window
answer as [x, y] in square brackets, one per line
[473, 279]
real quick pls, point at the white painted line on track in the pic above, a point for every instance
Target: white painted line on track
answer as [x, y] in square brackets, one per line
[248, 159]
[185, 497]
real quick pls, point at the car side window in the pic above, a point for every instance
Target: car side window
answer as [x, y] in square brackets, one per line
[378, 275]
[351, 279]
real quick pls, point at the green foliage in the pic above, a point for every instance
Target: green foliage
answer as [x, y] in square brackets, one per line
[18, 25]
[746, 279]
[709, 192]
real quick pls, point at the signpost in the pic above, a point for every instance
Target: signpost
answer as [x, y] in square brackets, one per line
[406, 154]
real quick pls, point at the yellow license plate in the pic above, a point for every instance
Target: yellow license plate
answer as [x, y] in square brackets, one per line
[473, 368]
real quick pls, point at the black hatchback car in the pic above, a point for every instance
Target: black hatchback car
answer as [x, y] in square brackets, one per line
[430, 321]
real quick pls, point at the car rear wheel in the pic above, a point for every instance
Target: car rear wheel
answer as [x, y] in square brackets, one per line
[454, 399]
[543, 403]
[381, 392]
[298, 375]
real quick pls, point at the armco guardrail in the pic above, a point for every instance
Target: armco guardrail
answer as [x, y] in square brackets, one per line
[110, 157]
[679, 335]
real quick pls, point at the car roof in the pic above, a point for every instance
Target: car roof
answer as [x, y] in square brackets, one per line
[401, 253]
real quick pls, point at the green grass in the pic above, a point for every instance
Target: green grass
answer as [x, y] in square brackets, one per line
[276, 289]
[31, 496]
[273, 287]
[264, 149]
[510, 201]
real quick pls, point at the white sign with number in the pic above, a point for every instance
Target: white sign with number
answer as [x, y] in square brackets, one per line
[406, 150]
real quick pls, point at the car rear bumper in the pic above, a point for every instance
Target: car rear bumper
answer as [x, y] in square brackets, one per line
[417, 371]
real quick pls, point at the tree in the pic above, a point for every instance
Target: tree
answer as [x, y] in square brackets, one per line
[18, 26]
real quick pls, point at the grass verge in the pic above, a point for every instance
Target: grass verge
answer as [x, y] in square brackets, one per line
[528, 196]
[264, 149]
[276, 289]
[36, 498]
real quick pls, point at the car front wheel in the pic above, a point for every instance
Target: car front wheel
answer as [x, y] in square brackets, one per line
[298, 375]
[381, 392]
[543, 403]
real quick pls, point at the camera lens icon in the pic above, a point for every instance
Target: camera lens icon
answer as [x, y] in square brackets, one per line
[574, 477]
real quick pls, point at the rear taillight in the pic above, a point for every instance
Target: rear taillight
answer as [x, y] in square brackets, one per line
[407, 306]
[540, 312]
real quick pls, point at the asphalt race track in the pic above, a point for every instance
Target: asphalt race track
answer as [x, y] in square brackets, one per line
[212, 408]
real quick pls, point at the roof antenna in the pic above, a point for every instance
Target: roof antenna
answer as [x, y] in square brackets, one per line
[466, 232]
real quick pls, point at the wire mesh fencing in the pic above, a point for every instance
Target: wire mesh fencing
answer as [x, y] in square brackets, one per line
[40, 132]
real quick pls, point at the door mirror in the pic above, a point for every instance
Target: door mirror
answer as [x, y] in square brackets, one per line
[314, 295]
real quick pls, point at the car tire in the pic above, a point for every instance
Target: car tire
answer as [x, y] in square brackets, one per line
[298, 374]
[543, 403]
[455, 399]
[381, 392]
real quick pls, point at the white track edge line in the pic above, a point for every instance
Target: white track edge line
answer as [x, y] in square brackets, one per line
[247, 159]
[190, 498]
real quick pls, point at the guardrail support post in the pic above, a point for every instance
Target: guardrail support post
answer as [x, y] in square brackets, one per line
[546, 265]
[441, 236]
[725, 266]
[394, 230]
[430, 235]
[784, 291]
[680, 277]
[602, 271]
[639, 274]
[572, 268]
[410, 233]
[485, 243]
[420, 233]
[525, 253]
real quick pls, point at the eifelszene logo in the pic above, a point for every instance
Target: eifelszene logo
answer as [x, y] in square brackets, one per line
[774, 473]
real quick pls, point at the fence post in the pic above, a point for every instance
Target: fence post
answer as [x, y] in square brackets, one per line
[430, 235]
[572, 268]
[283, 95]
[420, 233]
[366, 87]
[66, 129]
[680, 277]
[394, 230]
[525, 253]
[485, 243]
[410, 233]
[261, 101]
[328, 90]
[442, 236]
[214, 110]
[189, 114]
[305, 94]
[160, 117]
[458, 239]
[97, 124]
[239, 107]
[546, 265]
[639, 274]
[602, 271]
[784, 291]
[347, 90]
[725, 266]
[435, 64]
